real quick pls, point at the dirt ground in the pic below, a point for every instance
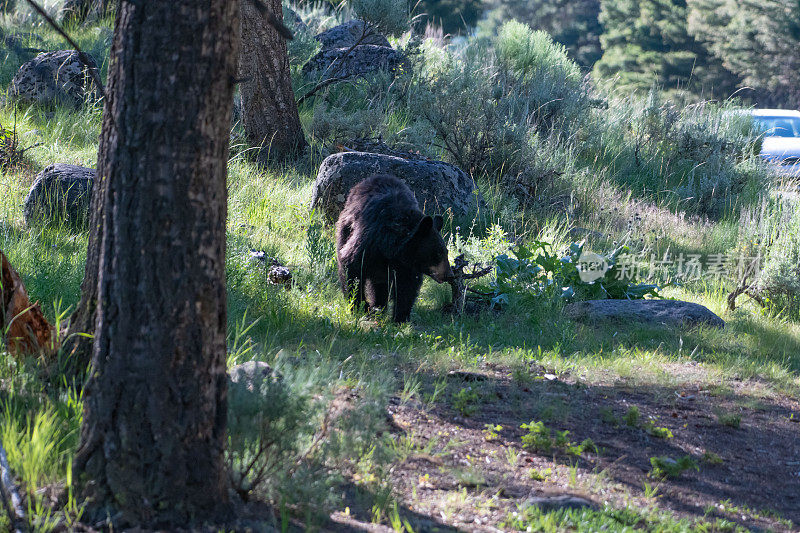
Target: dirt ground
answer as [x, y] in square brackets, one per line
[453, 474]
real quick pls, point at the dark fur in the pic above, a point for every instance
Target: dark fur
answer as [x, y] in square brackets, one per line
[384, 244]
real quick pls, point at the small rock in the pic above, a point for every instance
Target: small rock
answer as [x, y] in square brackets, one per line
[554, 503]
[60, 192]
[438, 186]
[673, 313]
[59, 77]
[348, 34]
[280, 275]
[466, 375]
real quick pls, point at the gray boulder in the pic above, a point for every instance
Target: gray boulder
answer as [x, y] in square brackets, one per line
[438, 186]
[346, 63]
[249, 376]
[348, 34]
[60, 192]
[58, 77]
[672, 313]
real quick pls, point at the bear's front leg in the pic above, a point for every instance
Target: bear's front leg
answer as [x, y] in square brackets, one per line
[405, 292]
[376, 293]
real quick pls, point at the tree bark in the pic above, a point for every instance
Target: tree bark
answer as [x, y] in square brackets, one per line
[269, 111]
[153, 434]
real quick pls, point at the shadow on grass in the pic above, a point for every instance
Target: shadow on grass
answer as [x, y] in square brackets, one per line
[749, 474]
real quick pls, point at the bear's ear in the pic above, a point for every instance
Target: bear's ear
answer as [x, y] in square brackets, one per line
[423, 228]
[438, 223]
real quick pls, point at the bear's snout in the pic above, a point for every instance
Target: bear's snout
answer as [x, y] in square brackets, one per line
[442, 273]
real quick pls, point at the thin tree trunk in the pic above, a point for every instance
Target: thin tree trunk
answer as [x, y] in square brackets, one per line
[153, 434]
[269, 111]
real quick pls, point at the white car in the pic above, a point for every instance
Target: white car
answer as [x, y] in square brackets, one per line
[781, 145]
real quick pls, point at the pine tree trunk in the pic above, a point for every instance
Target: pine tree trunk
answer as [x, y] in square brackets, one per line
[153, 435]
[269, 111]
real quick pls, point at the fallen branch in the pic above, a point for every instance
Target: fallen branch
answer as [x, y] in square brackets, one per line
[10, 492]
[334, 72]
[24, 326]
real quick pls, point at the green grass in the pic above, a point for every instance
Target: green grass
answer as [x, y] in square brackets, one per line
[627, 519]
[324, 350]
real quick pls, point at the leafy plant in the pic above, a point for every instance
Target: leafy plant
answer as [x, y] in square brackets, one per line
[538, 438]
[465, 401]
[655, 431]
[668, 467]
[732, 420]
[536, 270]
[632, 416]
[541, 439]
[608, 417]
[711, 458]
[491, 431]
[540, 475]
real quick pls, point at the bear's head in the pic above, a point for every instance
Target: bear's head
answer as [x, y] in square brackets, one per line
[425, 250]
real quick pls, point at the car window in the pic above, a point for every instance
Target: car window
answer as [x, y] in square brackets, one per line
[779, 126]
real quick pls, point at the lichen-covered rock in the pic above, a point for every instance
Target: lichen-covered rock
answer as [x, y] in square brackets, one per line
[672, 313]
[438, 186]
[348, 34]
[59, 77]
[60, 193]
[251, 374]
[346, 63]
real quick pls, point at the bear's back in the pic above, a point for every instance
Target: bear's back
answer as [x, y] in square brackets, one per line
[381, 191]
[379, 213]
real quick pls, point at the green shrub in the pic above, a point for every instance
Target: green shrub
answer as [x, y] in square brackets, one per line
[546, 81]
[535, 270]
[768, 249]
[267, 427]
[632, 416]
[490, 106]
[540, 438]
[389, 16]
[465, 401]
[701, 159]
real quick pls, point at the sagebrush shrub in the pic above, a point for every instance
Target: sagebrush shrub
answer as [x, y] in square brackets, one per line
[701, 158]
[545, 80]
[488, 103]
[769, 237]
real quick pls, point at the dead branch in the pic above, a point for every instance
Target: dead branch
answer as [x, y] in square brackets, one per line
[26, 330]
[337, 63]
[457, 282]
[10, 492]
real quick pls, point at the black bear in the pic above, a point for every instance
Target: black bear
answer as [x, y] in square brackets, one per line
[384, 244]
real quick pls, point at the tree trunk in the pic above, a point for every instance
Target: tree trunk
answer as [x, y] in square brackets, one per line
[269, 111]
[153, 433]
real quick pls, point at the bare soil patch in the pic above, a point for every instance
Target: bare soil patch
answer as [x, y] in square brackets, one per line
[453, 471]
